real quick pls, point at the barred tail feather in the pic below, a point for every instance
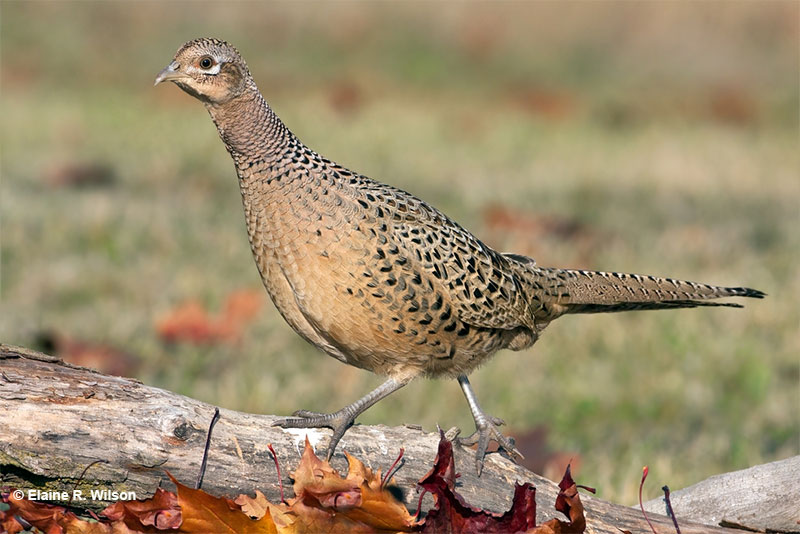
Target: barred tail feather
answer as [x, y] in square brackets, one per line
[577, 291]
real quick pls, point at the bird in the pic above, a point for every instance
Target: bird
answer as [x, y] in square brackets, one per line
[378, 278]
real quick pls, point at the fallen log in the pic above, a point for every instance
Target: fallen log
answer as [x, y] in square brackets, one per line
[763, 498]
[57, 419]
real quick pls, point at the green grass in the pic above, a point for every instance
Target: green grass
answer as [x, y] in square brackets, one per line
[666, 182]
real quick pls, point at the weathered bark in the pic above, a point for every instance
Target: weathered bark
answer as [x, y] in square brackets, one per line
[56, 419]
[762, 498]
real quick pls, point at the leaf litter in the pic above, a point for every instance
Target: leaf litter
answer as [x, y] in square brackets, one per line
[362, 501]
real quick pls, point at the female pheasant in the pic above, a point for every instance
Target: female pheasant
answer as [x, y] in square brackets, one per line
[376, 277]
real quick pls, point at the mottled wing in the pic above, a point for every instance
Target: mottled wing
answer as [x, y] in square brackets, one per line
[480, 282]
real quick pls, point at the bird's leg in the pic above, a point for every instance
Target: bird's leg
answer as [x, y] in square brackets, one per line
[342, 420]
[485, 428]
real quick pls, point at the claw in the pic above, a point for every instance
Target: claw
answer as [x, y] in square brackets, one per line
[483, 435]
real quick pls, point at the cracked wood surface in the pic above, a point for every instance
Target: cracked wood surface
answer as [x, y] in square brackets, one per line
[58, 418]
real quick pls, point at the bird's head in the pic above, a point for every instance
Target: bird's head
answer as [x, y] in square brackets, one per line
[208, 69]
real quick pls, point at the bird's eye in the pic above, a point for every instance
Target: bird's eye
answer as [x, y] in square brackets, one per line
[206, 63]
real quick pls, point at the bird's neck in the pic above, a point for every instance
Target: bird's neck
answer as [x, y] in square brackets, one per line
[251, 131]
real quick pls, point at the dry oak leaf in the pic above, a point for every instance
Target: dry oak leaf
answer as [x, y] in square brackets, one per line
[357, 503]
[257, 506]
[378, 507]
[316, 478]
[309, 518]
[204, 513]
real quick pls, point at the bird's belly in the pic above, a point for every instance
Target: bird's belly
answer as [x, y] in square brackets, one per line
[389, 321]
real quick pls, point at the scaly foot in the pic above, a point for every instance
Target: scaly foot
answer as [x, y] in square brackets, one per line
[339, 421]
[485, 429]
[343, 419]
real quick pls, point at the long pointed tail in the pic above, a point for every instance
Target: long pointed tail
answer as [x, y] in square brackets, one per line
[575, 291]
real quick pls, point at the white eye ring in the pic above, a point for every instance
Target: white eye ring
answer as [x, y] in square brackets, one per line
[212, 68]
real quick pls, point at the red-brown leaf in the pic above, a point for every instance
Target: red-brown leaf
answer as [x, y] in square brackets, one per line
[50, 519]
[568, 503]
[45, 517]
[451, 513]
[161, 512]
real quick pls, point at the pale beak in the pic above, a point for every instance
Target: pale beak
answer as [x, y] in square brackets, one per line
[170, 73]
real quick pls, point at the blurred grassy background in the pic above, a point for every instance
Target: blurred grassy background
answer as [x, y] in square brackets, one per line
[659, 138]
